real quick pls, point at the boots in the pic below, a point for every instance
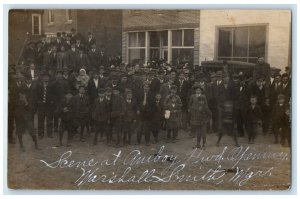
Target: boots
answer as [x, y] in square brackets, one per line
[34, 138]
[20, 138]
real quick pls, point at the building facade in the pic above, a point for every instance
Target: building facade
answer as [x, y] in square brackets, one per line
[193, 36]
[24, 26]
[106, 25]
[171, 35]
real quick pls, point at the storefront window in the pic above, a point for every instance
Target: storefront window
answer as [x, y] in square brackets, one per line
[244, 43]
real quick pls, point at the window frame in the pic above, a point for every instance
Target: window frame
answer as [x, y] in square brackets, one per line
[67, 14]
[161, 48]
[266, 25]
[32, 23]
[50, 17]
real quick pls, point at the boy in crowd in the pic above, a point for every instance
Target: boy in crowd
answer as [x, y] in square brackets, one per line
[254, 116]
[278, 117]
[66, 122]
[157, 117]
[200, 116]
[172, 116]
[100, 115]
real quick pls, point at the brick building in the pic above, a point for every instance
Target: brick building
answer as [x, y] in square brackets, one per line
[24, 26]
[198, 35]
[106, 25]
[172, 35]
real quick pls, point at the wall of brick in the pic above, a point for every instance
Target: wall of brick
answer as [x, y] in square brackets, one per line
[278, 33]
[106, 25]
[159, 19]
[20, 22]
[60, 23]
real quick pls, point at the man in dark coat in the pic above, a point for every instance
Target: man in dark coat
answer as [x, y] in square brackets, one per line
[116, 116]
[81, 60]
[241, 96]
[144, 107]
[44, 97]
[130, 116]
[71, 57]
[157, 116]
[101, 115]
[94, 59]
[90, 42]
[80, 110]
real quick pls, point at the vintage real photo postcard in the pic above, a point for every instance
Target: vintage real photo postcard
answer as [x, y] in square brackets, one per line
[149, 99]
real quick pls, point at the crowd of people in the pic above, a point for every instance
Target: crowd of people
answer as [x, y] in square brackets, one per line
[74, 88]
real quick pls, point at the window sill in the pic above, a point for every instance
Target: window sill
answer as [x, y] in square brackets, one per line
[69, 22]
[51, 24]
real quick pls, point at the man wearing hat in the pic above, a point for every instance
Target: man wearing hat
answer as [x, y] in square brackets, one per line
[72, 54]
[240, 96]
[81, 59]
[94, 57]
[277, 116]
[130, 117]
[144, 107]
[100, 115]
[103, 58]
[117, 113]
[39, 53]
[262, 69]
[29, 54]
[47, 58]
[44, 97]
[58, 42]
[62, 57]
[286, 85]
[24, 115]
[80, 106]
[90, 41]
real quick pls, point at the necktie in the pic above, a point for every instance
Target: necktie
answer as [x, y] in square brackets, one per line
[145, 99]
[276, 86]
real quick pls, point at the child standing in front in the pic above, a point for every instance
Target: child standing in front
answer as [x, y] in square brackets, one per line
[200, 116]
[253, 115]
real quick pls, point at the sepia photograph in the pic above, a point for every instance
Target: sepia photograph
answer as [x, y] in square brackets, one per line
[149, 99]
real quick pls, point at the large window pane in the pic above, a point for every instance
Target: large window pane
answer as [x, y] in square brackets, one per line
[240, 44]
[164, 38]
[133, 39]
[225, 42]
[180, 55]
[36, 25]
[137, 56]
[141, 39]
[189, 37]
[257, 41]
[177, 37]
[154, 54]
[154, 39]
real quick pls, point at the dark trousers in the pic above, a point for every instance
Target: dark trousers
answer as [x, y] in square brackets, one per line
[100, 129]
[45, 113]
[286, 136]
[65, 126]
[155, 130]
[221, 127]
[128, 128]
[11, 120]
[117, 128]
[144, 130]
[200, 131]
[252, 129]
[215, 122]
[240, 121]
[275, 130]
[24, 122]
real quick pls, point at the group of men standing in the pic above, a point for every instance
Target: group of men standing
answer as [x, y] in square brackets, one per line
[115, 101]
